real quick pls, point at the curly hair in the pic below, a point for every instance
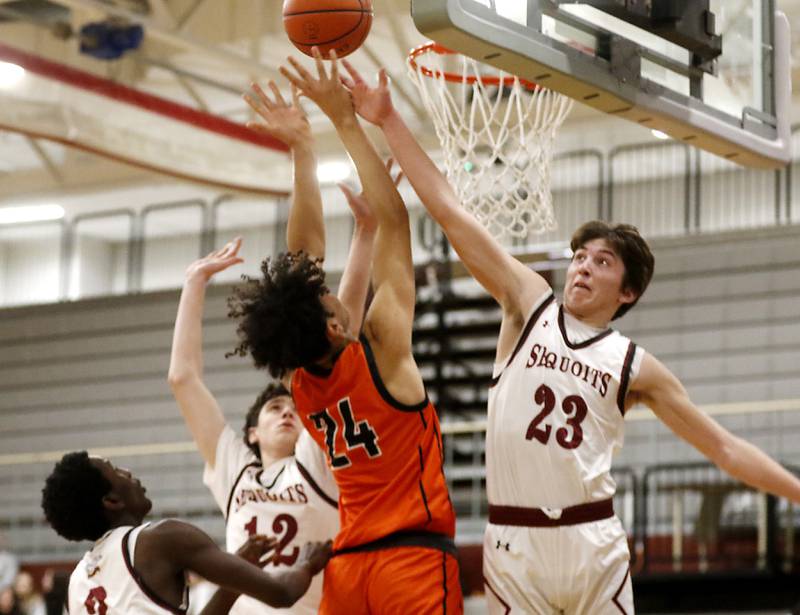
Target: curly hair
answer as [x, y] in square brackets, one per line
[282, 322]
[631, 247]
[273, 390]
[72, 498]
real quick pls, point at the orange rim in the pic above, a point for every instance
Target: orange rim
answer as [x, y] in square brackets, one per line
[433, 47]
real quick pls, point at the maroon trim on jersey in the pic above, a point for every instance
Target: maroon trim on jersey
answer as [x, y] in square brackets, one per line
[253, 464]
[536, 517]
[505, 604]
[619, 591]
[381, 388]
[584, 343]
[142, 585]
[310, 480]
[524, 335]
[625, 377]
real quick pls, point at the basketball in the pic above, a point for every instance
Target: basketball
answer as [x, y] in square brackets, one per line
[341, 25]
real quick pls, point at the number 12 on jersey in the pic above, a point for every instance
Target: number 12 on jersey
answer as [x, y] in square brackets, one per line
[356, 434]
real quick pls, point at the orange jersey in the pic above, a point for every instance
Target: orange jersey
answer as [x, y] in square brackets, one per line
[386, 456]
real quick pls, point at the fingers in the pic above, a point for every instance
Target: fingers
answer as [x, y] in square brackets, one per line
[348, 83]
[291, 77]
[354, 74]
[334, 66]
[348, 194]
[301, 70]
[398, 179]
[389, 164]
[296, 99]
[277, 93]
[321, 73]
[383, 78]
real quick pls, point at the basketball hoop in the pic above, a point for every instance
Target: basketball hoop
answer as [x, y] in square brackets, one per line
[497, 133]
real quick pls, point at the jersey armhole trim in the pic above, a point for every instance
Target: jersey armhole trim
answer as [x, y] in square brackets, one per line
[526, 331]
[140, 582]
[381, 387]
[253, 464]
[315, 486]
[625, 377]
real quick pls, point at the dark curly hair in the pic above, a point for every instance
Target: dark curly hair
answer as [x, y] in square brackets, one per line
[273, 390]
[72, 498]
[631, 247]
[282, 321]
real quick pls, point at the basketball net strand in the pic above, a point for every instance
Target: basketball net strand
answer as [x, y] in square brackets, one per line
[497, 143]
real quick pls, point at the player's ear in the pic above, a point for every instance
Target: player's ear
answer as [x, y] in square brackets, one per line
[252, 438]
[112, 502]
[628, 295]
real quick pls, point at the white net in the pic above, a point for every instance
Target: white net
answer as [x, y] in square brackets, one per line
[497, 141]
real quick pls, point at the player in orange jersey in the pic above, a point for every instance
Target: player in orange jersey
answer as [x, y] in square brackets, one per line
[362, 399]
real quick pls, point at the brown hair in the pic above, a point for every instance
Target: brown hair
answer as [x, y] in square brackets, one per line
[630, 246]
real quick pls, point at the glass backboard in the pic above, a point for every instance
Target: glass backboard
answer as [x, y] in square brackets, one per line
[727, 90]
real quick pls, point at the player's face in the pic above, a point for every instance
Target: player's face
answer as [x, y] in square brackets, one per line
[593, 289]
[126, 488]
[278, 427]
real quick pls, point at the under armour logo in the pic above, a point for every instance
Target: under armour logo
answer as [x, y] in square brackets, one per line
[500, 545]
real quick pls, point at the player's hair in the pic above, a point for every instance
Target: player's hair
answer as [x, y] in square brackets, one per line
[273, 390]
[631, 247]
[72, 498]
[282, 322]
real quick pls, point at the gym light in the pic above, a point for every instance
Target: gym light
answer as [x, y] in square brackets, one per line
[660, 135]
[332, 172]
[10, 74]
[30, 213]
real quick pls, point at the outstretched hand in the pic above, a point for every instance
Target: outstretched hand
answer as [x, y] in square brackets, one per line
[360, 207]
[374, 104]
[217, 261]
[326, 90]
[284, 121]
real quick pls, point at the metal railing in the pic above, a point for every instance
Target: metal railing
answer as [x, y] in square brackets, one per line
[665, 188]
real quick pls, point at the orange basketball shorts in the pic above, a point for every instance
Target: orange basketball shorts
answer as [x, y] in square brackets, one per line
[393, 581]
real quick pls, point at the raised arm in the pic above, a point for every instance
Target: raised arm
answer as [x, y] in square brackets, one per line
[392, 312]
[510, 282]
[199, 408]
[660, 390]
[354, 286]
[188, 548]
[305, 230]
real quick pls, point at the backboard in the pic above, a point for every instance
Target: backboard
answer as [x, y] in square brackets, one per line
[712, 73]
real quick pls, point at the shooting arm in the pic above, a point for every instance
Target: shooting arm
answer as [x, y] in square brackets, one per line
[305, 229]
[659, 389]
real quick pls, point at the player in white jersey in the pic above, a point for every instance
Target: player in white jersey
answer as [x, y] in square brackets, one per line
[553, 544]
[276, 480]
[140, 569]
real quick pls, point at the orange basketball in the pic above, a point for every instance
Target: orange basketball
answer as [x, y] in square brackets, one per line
[341, 25]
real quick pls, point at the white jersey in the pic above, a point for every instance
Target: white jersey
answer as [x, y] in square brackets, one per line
[294, 499]
[106, 582]
[556, 413]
